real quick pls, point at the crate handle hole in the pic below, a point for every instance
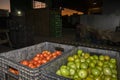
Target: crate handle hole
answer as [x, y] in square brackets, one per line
[59, 49]
[13, 70]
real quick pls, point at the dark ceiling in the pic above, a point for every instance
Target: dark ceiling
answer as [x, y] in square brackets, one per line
[80, 5]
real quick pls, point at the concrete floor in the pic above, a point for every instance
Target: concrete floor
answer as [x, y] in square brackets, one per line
[67, 35]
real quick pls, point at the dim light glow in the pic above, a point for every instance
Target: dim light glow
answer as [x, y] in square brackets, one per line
[70, 12]
[94, 3]
[19, 12]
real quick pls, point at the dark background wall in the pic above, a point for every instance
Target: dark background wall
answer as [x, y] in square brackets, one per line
[23, 5]
[111, 6]
[110, 18]
[38, 21]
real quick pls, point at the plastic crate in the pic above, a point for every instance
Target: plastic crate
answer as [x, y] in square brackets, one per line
[2, 75]
[12, 59]
[50, 69]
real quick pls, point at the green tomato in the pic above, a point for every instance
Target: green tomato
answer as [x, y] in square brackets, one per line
[64, 72]
[70, 63]
[89, 78]
[95, 61]
[88, 60]
[82, 59]
[76, 77]
[68, 68]
[77, 60]
[98, 67]
[101, 57]
[82, 54]
[86, 55]
[91, 57]
[84, 65]
[92, 64]
[63, 67]
[72, 71]
[90, 75]
[107, 71]
[112, 60]
[72, 66]
[95, 72]
[103, 76]
[70, 58]
[58, 72]
[114, 75]
[107, 58]
[75, 56]
[107, 78]
[78, 65]
[82, 73]
[106, 62]
[95, 57]
[111, 65]
[97, 78]
[114, 71]
[79, 52]
[100, 63]
[105, 65]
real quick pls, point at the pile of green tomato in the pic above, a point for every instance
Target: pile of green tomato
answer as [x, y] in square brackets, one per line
[83, 66]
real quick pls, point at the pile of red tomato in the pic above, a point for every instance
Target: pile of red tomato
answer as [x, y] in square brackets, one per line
[40, 58]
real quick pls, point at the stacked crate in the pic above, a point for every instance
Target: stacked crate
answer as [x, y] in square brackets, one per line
[55, 23]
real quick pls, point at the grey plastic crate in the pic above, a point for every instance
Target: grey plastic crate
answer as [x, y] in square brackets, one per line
[2, 75]
[50, 69]
[12, 59]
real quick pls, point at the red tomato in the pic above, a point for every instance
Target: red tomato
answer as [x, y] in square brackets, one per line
[31, 66]
[41, 56]
[50, 55]
[24, 62]
[45, 54]
[16, 72]
[35, 62]
[12, 70]
[58, 52]
[44, 61]
[36, 58]
[54, 54]
[38, 65]
[39, 61]
[48, 58]
[38, 55]
[31, 61]
[48, 52]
